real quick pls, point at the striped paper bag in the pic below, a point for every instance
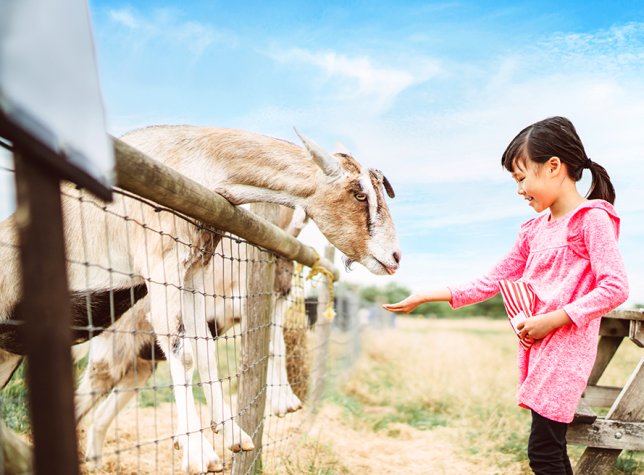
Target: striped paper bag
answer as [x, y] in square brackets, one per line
[519, 300]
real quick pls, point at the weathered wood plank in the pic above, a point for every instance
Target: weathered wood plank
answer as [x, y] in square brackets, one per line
[254, 348]
[626, 314]
[606, 349]
[627, 408]
[629, 405]
[584, 413]
[636, 332]
[322, 334]
[608, 434]
[596, 461]
[601, 396]
[614, 327]
[139, 174]
[46, 311]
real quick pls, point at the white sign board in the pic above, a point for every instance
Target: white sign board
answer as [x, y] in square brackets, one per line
[49, 85]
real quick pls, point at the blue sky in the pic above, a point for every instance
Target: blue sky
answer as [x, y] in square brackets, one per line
[428, 92]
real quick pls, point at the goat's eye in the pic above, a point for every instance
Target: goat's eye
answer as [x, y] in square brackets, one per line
[360, 196]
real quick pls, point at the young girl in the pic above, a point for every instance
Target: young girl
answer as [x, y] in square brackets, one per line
[570, 259]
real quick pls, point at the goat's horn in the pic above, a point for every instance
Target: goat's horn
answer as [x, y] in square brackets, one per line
[324, 160]
[380, 177]
[388, 188]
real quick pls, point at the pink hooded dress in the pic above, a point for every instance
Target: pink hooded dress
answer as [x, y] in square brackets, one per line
[571, 263]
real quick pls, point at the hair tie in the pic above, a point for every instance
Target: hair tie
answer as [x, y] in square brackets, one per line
[588, 163]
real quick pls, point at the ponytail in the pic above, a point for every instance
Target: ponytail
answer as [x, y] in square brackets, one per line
[557, 137]
[601, 186]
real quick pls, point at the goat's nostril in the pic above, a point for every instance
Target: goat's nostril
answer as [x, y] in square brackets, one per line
[397, 257]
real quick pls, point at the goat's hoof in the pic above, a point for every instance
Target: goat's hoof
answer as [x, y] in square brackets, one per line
[295, 408]
[94, 461]
[215, 466]
[247, 445]
[236, 448]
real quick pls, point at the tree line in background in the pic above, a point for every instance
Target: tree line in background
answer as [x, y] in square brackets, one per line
[393, 292]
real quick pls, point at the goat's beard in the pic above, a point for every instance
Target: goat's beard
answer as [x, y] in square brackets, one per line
[347, 263]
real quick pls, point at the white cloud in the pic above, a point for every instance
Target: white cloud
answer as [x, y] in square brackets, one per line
[125, 17]
[374, 83]
[166, 25]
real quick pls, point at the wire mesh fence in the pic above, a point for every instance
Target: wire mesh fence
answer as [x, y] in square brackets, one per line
[203, 349]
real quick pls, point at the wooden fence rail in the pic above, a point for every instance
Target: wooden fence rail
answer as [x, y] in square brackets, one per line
[157, 182]
[623, 426]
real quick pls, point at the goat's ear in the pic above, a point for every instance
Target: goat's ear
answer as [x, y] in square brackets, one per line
[329, 165]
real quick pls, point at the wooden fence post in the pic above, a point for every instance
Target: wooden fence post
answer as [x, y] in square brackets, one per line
[45, 310]
[628, 407]
[253, 362]
[321, 338]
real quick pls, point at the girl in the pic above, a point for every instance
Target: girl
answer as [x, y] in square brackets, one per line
[569, 257]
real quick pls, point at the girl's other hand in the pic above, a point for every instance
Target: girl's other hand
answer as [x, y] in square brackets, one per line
[405, 306]
[539, 326]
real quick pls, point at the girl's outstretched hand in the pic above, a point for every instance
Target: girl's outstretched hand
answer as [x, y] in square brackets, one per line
[405, 306]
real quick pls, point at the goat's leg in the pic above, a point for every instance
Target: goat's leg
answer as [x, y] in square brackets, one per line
[108, 410]
[281, 397]
[204, 349]
[166, 319]
[112, 354]
[98, 378]
[9, 363]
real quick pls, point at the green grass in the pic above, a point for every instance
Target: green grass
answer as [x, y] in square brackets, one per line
[14, 407]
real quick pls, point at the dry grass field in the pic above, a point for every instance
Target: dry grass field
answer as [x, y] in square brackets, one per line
[426, 397]
[434, 397]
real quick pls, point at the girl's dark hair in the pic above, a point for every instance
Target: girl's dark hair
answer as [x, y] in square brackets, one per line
[557, 137]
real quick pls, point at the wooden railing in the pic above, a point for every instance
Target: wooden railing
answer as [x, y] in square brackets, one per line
[623, 426]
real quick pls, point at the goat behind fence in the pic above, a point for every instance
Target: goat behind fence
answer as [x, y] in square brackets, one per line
[126, 385]
[151, 265]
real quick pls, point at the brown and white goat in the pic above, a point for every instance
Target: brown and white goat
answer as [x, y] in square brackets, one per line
[122, 358]
[127, 261]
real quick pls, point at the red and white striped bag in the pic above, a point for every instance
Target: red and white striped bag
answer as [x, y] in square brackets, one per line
[519, 300]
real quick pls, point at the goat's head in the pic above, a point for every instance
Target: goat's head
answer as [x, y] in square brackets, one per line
[349, 208]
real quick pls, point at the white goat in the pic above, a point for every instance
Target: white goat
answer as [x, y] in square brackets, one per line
[343, 199]
[120, 359]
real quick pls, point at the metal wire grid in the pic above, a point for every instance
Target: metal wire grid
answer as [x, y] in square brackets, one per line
[142, 441]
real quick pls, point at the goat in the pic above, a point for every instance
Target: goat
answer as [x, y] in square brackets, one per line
[345, 200]
[123, 357]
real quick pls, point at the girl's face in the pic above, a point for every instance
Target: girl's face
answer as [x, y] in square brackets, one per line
[536, 183]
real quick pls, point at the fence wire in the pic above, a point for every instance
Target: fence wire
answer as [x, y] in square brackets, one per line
[134, 408]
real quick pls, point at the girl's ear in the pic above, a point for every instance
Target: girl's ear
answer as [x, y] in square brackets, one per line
[554, 165]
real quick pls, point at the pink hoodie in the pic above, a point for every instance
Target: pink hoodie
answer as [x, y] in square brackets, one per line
[572, 263]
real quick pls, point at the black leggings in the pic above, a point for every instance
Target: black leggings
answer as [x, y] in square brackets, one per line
[547, 447]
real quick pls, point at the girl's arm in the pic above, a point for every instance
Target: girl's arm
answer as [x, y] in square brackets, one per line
[410, 303]
[510, 267]
[611, 289]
